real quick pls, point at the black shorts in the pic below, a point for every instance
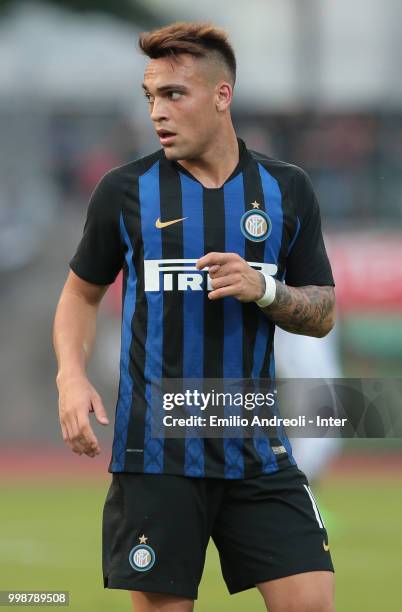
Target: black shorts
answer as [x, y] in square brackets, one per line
[156, 529]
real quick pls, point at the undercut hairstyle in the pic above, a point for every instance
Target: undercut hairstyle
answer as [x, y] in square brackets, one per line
[196, 38]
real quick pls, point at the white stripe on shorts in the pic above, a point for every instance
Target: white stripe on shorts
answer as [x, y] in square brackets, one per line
[315, 507]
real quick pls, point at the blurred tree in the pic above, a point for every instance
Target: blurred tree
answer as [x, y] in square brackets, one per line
[134, 11]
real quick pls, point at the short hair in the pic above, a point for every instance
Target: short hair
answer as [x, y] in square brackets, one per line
[196, 38]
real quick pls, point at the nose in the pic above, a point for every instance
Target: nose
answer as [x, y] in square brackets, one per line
[158, 110]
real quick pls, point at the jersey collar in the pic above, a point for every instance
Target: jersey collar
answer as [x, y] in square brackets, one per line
[244, 157]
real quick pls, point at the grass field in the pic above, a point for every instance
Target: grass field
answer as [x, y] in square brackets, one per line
[50, 539]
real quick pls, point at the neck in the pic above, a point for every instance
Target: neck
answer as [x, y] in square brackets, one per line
[218, 162]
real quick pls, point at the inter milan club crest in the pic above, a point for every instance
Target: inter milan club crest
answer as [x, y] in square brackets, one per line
[255, 224]
[142, 556]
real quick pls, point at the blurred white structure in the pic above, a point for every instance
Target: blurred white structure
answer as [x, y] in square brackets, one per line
[332, 53]
[291, 53]
[52, 54]
[338, 53]
[304, 357]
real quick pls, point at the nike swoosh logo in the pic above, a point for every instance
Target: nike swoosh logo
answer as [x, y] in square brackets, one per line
[161, 224]
[325, 546]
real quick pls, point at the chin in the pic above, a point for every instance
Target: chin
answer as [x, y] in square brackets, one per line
[175, 153]
[171, 153]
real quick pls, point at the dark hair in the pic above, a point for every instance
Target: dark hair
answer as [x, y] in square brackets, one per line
[195, 38]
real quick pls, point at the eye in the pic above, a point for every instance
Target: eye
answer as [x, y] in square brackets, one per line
[175, 95]
[149, 98]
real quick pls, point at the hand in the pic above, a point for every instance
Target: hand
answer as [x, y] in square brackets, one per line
[231, 275]
[77, 398]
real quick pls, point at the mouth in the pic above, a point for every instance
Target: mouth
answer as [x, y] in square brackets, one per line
[166, 137]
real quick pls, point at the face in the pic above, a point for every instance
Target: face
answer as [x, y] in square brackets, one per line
[185, 105]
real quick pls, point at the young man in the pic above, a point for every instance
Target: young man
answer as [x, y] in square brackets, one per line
[217, 245]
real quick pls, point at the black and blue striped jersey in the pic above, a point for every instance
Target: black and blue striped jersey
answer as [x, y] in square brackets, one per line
[154, 220]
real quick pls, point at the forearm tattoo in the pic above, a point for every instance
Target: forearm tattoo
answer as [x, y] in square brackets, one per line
[303, 310]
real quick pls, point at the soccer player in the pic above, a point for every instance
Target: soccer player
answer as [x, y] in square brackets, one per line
[218, 244]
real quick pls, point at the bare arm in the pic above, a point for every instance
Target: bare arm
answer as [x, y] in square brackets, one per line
[309, 310]
[73, 337]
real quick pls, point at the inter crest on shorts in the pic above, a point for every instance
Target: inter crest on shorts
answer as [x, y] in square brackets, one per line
[255, 224]
[142, 557]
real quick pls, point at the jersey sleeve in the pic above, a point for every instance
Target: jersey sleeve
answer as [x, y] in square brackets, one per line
[307, 262]
[99, 255]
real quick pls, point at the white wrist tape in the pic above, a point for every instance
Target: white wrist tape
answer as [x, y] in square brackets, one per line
[269, 293]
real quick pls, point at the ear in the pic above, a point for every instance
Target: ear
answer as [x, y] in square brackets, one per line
[224, 94]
